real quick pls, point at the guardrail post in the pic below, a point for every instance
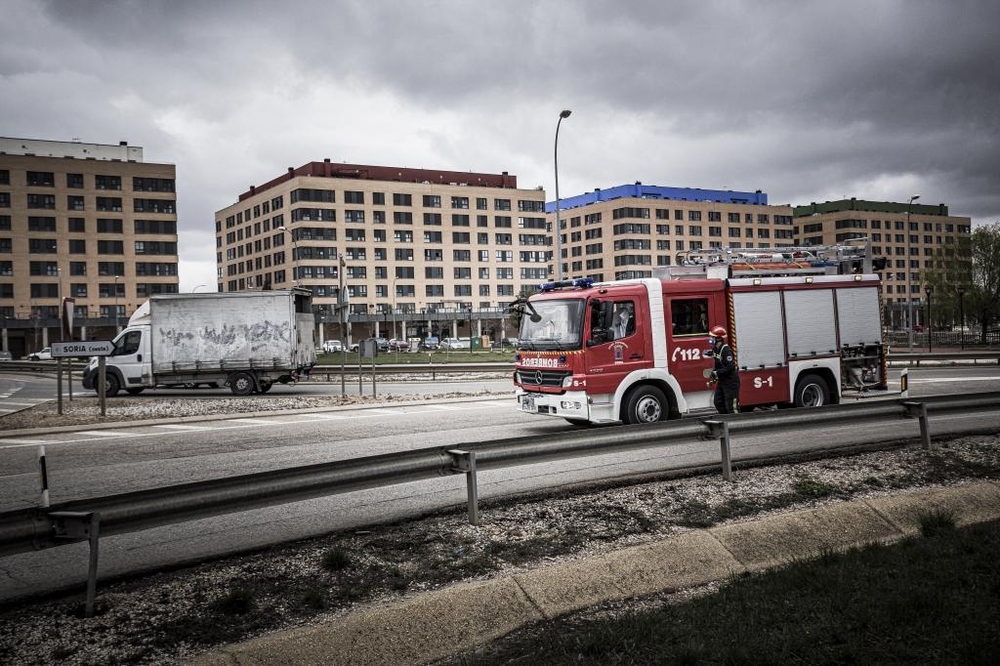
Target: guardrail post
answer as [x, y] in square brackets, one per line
[919, 410]
[465, 463]
[81, 526]
[43, 476]
[720, 429]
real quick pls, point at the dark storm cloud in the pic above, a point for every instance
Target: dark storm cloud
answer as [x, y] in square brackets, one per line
[806, 100]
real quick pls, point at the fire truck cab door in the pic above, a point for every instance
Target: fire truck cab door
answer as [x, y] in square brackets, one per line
[689, 317]
[620, 343]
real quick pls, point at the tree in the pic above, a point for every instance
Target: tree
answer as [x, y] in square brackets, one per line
[948, 269]
[983, 297]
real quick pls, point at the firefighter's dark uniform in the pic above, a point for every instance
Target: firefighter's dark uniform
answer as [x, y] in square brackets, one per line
[727, 390]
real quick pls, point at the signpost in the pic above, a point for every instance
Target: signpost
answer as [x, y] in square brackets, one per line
[86, 349]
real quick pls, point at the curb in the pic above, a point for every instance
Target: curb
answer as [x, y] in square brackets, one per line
[429, 626]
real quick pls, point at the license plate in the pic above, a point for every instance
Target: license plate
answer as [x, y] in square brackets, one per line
[527, 403]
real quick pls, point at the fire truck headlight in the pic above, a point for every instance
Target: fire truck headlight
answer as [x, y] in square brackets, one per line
[570, 405]
[567, 382]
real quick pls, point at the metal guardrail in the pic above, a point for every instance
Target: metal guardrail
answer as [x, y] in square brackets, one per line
[896, 359]
[28, 530]
[988, 357]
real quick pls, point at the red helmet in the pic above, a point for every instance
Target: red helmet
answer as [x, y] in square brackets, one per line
[718, 332]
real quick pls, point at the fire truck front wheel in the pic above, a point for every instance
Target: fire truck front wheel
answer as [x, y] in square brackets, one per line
[646, 404]
[812, 391]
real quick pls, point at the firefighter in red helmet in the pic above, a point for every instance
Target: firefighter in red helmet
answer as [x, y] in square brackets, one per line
[725, 375]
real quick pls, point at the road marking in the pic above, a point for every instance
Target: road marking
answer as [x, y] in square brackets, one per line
[22, 443]
[942, 380]
[104, 433]
[253, 421]
[181, 426]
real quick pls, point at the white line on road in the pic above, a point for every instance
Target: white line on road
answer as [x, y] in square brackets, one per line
[104, 433]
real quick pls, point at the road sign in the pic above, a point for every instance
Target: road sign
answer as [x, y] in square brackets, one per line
[82, 348]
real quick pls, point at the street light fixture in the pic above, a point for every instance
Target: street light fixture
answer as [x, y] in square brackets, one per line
[909, 300]
[559, 272]
[295, 255]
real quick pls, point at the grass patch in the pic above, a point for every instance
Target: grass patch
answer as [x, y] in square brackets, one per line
[336, 559]
[239, 600]
[925, 600]
[813, 489]
[936, 522]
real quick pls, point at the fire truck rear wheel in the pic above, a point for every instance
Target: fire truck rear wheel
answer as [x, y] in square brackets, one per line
[812, 391]
[646, 404]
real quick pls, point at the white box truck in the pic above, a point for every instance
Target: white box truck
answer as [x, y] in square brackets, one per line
[246, 340]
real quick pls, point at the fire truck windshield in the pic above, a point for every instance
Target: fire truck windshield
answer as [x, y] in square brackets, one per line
[559, 325]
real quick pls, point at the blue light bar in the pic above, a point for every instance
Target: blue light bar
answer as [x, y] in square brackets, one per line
[576, 283]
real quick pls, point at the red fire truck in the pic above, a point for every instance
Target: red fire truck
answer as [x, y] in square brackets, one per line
[804, 323]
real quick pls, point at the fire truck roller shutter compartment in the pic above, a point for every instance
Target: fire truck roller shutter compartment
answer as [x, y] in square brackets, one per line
[858, 311]
[760, 348]
[809, 313]
[760, 336]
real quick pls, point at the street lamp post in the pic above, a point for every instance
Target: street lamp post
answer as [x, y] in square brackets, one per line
[909, 300]
[930, 322]
[116, 304]
[961, 312]
[559, 272]
[342, 313]
[394, 335]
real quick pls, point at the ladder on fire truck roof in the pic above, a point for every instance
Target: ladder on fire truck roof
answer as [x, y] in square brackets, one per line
[851, 257]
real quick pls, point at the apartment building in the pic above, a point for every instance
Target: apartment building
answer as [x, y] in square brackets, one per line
[628, 231]
[86, 221]
[914, 239]
[418, 252]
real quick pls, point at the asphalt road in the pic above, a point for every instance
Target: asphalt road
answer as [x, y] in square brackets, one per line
[100, 462]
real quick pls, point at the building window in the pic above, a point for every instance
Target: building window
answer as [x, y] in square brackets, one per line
[41, 179]
[47, 201]
[432, 201]
[47, 224]
[108, 182]
[106, 226]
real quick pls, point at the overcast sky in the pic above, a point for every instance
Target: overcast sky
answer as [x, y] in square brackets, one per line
[807, 101]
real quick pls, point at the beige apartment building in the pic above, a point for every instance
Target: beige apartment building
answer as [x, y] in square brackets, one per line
[912, 238]
[418, 252]
[84, 221]
[629, 231]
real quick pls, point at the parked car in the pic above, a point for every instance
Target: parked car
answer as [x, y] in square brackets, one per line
[44, 354]
[399, 345]
[332, 346]
[455, 343]
[430, 343]
[382, 344]
[6, 356]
